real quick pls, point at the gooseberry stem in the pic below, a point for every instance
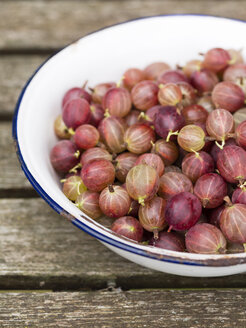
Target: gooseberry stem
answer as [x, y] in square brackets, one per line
[75, 168]
[228, 201]
[171, 133]
[77, 154]
[152, 143]
[205, 202]
[156, 234]
[106, 114]
[222, 144]
[78, 185]
[221, 250]
[85, 84]
[195, 152]
[111, 188]
[144, 116]
[242, 182]
[141, 200]
[118, 84]
[71, 131]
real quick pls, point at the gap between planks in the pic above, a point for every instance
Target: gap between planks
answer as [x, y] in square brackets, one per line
[131, 309]
[41, 250]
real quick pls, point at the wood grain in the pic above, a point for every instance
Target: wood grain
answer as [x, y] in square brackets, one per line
[36, 25]
[14, 73]
[12, 180]
[41, 250]
[132, 309]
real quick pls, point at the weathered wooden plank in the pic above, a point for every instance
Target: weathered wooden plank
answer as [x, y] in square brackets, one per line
[12, 179]
[52, 24]
[132, 309]
[14, 72]
[41, 250]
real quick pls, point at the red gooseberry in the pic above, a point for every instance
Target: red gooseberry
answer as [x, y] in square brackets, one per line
[129, 227]
[142, 183]
[151, 215]
[205, 238]
[98, 174]
[114, 201]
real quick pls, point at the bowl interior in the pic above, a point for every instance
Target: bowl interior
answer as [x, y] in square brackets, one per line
[104, 56]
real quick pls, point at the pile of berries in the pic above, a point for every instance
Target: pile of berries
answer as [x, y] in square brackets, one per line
[161, 153]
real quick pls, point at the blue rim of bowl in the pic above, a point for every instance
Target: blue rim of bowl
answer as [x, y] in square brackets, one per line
[225, 261]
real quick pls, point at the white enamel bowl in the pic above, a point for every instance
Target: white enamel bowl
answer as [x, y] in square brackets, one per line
[104, 56]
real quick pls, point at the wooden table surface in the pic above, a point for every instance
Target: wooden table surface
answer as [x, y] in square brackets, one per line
[51, 273]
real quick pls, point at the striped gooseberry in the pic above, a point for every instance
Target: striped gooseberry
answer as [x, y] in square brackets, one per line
[99, 91]
[152, 160]
[128, 227]
[205, 238]
[114, 201]
[73, 187]
[239, 195]
[132, 76]
[153, 70]
[172, 76]
[183, 210]
[168, 121]
[144, 95]
[98, 174]
[88, 202]
[191, 138]
[206, 102]
[75, 93]
[231, 164]
[239, 116]
[188, 94]
[142, 183]
[215, 214]
[240, 135]
[117, 101]
[233, 222]
[169, 240]
[228, 95]
[172, 183]
[151, 215]
[112, 131]
[60, 128]
[233, 72]
[211, 189]
[220, 125]
[194, 114]
[97, 114]
[204, 80]
[138, 138]
[194, 165]
[215, 150]
[169, 94]
[93, 154]
[64, 156]
[191, 66]
[168, 151]
[86, 136]
[123, 163]
[216, 59]
[76, 112]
